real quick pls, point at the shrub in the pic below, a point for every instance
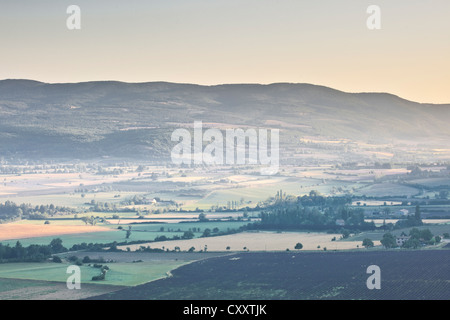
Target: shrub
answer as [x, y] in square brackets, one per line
[368, 243]
[73, 258]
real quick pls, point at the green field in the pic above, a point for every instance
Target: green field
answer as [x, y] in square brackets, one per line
[139, 232]
[93, 237]
[121, 273]
[7, 284]
[387, 189]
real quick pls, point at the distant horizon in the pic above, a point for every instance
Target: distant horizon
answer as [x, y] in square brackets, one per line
[234, 42]
[236, 83]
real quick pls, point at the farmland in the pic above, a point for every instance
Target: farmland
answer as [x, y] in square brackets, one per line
[422, 275]
[117, 203]
[20, 231]
[18, 289]
[48, 280]
[79, 167]
[257, 241]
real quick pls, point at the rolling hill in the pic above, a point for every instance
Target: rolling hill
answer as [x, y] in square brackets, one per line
[134, 120]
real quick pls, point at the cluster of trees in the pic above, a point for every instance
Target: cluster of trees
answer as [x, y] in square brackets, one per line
[32, 253]
[315, 199]
[97, 206]
[312, 212]
[90, 220]
[9, 210]
[416, 239]
[114, 171]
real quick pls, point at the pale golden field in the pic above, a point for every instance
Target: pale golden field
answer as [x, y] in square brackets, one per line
[258, 241]
[21, 231]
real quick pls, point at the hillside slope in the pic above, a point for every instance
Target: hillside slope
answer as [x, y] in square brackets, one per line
[135, 120]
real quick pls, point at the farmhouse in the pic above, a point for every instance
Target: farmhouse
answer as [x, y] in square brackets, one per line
[401, 240]
[403, 212]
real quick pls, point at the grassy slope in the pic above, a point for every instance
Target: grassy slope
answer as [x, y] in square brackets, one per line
[123, 274]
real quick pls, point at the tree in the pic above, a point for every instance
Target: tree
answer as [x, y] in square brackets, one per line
[414, 233]
[367, 243]
[426, 234]
[206, 233]
[345, 234]
[417, 214]
[187, 235]
[388, 241]
[298, 246]
[85, 220]
[128, 232]
[411, 243]
[56, 246]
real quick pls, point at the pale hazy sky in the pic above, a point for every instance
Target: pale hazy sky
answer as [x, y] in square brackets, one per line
[323, 42]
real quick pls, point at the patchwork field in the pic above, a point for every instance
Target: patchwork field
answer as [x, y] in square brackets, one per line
[110, 233]
[47, 281]
[129, 198]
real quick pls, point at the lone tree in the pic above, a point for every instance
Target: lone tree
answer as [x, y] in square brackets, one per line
[388, 241]
[128, 232]
[298, 246]
[367, 243]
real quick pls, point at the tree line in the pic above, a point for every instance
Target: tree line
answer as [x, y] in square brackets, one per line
[314, 212]
[9, 210]
[31, 253]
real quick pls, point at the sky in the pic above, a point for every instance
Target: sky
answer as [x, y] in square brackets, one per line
[323, 42]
